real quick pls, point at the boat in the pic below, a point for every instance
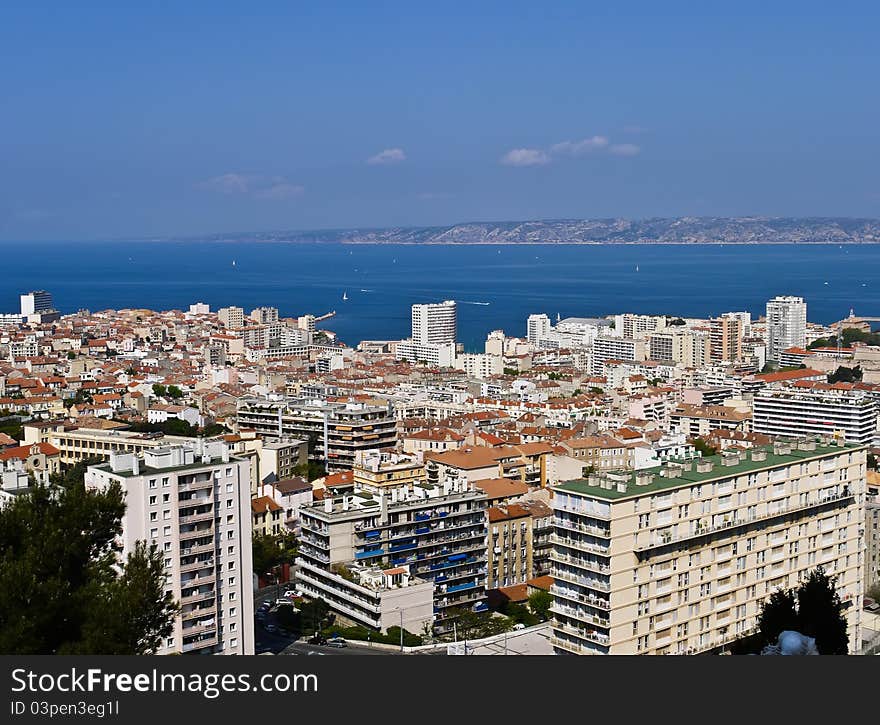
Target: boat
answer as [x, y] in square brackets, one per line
[344, 296]
[558, 317]
[233, 262]
[637, 268]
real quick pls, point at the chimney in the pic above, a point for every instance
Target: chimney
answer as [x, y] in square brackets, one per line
[328, 505]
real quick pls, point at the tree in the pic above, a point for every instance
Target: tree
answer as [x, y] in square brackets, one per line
[820, 613]
[874, 591]
[71, 355]
[814, 609]
[703, 448]
[778, 614]
[269, 551]
[175, 392]
[159, 390]
[846, 375]
[540, 602]
[63, 589]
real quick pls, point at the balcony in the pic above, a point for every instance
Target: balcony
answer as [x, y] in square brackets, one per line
[739, 523]
[580, 615]
[204, 641]
[575, 596]
[198, 597]
[583, 581]
[197, 533]
[195, 484]
[581, 563]
[590, 635]
[601, 531]
[579, 545]
[195, 518]
[200, 549]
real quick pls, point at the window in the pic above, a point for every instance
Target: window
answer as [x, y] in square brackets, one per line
[229, 503]
[153, 516]
[153, 485]
[233, 642]
[166, 531]
[152, 500]
[154, 533]
[164, 483]
[166, 497]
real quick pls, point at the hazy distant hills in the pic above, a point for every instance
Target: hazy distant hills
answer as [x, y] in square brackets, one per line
[681, 230]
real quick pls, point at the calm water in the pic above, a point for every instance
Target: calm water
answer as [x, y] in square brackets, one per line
[383, 281]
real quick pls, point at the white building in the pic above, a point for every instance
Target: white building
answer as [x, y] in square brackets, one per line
[801, 413]
[440, 355]
[199, 308]
[434, 323]
[36, 302]
[194, 503]
[480, 366]
[231, 318]
[606, 347]
[537, 328]
[786, 325]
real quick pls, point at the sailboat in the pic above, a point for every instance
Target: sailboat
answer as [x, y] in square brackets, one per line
[637, 268]
[344, 296]
[558, 317]
[233, 262]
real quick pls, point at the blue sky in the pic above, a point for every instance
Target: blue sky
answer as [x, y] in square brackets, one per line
[171, 120]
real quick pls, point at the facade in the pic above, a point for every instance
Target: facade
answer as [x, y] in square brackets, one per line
[378, 471]
[607, 347]
[335, 431]
[786, 325]
[805, 412]
[434, 323]
[439, 532]
[436, 354]
[537, 328]
[194, 503]
[264, 315]
[36, 302]
[80, 444]
[678, 559]
[725, 339]
[872, 531]
[232, 318]
[480, 366]
[509, 550]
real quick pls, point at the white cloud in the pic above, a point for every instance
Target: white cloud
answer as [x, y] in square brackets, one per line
[279, 191]
[257, 186]
[388, 156]
[624, 149]
[575, 148]
[525, 157]
[228, 183]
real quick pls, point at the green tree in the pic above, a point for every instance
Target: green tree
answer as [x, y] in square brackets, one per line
[175, 392]
[778, 614]
[820, 613]
[63, 589]
[540, 602]
[159, 390]
[269, 551]
[71, 355]
[703, 448]
[846, 375]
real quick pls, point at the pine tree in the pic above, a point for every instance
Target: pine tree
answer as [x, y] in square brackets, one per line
[820, 613]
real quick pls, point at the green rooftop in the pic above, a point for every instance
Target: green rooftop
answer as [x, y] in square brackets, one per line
[694, 477]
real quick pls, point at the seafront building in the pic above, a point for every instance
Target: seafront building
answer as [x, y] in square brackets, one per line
[194, 503]
[786, 325]
[678, 559]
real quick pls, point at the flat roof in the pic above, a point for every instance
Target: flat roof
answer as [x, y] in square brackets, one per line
[692, 477]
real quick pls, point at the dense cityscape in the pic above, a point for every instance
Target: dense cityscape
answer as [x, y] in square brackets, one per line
[627, 484]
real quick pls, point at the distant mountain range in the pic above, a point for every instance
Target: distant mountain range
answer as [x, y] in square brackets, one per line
[679, 230]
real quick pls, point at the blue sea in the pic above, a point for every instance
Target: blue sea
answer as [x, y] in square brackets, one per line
[497, 286]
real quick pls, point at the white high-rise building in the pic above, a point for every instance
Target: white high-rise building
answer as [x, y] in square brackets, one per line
[199, 308]
[434, 323]
[537, 328]
[36, 301]
[194, 503]
[232, 318]
[786, 325]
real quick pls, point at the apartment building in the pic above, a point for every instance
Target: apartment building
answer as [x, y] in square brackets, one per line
[638, 326]
[607, 347]
[438, 532]
[786, 325]
[509, 550]
[194, 503]
[799, 412]
[480, 365]
[434, 323]
[526, 462]
[700, 420]
[537, 328]
[725, 339]
[380, 471]
[80, 444]
[679, 559]
[542, 534]
[335, 431]
[438, 354]
[872, 531]
[232, 318]
[600, 452]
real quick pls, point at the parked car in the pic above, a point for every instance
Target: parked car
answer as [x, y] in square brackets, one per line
[337, 643]
[318, 639]
[519, 625]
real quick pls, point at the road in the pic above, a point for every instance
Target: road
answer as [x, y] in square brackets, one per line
[303, 648]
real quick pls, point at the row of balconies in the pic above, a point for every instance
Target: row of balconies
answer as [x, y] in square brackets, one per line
[587, 582]
[580, 614]
[577, 596]
[588, 564]
[567, 523]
